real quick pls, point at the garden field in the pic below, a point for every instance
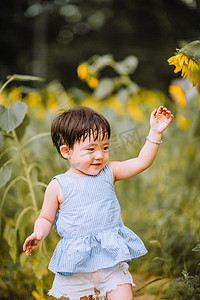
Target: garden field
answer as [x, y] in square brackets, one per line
[161, 205]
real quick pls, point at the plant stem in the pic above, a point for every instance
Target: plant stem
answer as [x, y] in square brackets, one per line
[35, 137]
[6, 83]
[30, 184]
[23, 160]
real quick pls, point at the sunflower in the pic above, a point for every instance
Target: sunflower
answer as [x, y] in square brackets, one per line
[187, 60]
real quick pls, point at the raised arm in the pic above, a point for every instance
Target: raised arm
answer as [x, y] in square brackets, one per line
[160, 119]
[43, 224]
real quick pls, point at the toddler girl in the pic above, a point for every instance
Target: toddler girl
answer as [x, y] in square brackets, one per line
[81, 204]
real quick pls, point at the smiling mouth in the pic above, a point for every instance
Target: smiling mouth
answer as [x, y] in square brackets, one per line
[97, 164]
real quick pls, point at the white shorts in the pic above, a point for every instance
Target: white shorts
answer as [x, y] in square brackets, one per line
[96, 283]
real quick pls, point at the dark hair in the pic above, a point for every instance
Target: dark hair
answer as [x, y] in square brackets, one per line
[78, 123]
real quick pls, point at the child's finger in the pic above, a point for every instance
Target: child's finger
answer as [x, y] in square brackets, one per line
[170, 118]
[153, 114]
[28, 252]
[29, 249]
[164, 111]
[160, 109]
[168, 113]
[25, 245]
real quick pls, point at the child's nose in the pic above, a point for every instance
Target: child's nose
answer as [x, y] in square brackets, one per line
[98, 154]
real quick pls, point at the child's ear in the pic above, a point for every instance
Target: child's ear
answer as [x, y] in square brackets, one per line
[65, 152]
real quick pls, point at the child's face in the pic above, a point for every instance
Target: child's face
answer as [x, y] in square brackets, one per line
[90, 156]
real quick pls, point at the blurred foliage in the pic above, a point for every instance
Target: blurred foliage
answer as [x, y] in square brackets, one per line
[48, 38]
[161, 204]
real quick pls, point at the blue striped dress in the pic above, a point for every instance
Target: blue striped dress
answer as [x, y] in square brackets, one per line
[89, 223]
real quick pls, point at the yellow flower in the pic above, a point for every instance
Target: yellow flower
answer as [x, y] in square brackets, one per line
[92, 82]
[84, 74]
[148, 96]
[37, 296]
[32, 99]
[116, 105]
[149, 99]
[177, 61]
[15, 95]
[51, 102]
[187, 60]
[92, 103]
[135, 112]
[82, 71]
[178, 95]
[182, 122]
[2, 100]
[189, 68]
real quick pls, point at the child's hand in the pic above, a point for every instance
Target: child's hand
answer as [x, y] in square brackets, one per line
[160, 119]
[32, 242]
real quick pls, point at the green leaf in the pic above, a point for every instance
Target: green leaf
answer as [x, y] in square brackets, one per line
[20, 130]
[192, 50]
[175, 292]
[39, 286]
[156, 242]
[185, 274]
[133, 88]
[5, 174]
[196, 126]
[150, 282]
[11, 239]
[9, 224]
[161, 259]
[104, 88]
[196, 278]
[23, 259]
[98, 63]
[12, 117]
[19, 218]
[39, 264]
[197, 248]
[127, 66]
[122, 95]
[13, 251]
[188, 284]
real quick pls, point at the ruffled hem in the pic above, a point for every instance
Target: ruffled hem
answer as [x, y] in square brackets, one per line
[113, 287]
[92, 252]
